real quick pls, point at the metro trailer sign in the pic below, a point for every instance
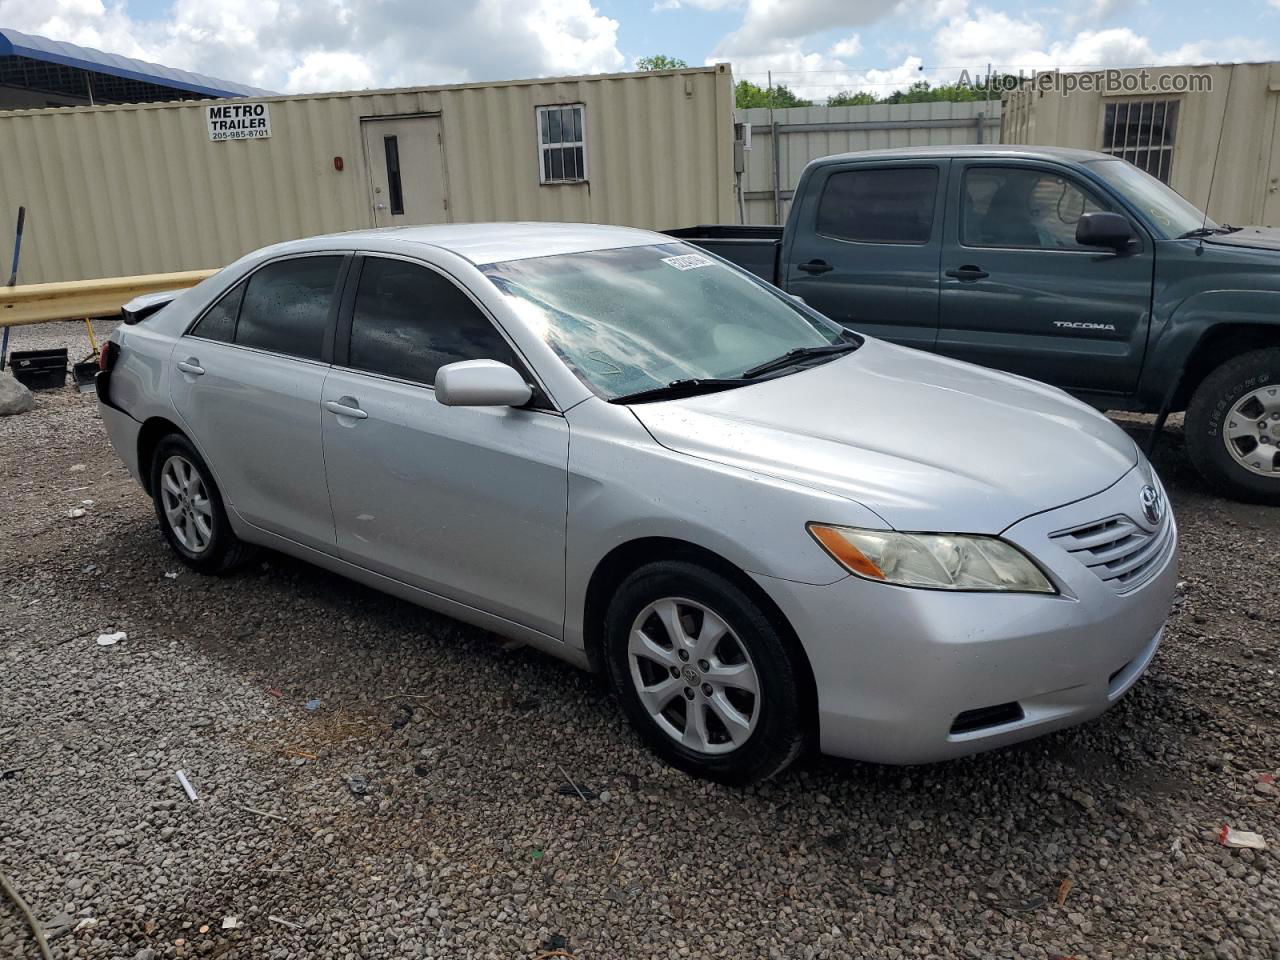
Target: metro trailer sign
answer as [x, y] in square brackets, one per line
[238, 121]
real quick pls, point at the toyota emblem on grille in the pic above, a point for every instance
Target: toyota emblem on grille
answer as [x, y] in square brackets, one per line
[1152, 504]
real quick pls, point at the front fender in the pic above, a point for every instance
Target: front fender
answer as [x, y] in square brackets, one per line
[1191, 323]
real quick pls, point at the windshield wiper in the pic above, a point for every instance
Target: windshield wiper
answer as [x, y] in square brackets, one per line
[1206, 232]
[682, 388]
[791, 357]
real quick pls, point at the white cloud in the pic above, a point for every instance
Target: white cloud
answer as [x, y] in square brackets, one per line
[850, 46]
[299, 45]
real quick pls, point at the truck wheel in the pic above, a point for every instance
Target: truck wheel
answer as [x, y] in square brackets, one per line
[703, 674]
[1233, 427]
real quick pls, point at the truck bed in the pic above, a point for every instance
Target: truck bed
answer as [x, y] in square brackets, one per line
[753, 248]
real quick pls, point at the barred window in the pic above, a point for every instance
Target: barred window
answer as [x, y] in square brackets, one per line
[562, 143]
[1142, 131]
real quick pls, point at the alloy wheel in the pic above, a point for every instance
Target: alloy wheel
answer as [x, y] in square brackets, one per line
[693, 675]
[1251, 431]
[186, 504]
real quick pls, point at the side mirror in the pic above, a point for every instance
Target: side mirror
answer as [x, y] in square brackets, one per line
[481, 383]
[1104, 230]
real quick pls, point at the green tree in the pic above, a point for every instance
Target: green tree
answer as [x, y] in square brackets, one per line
[660, 61]
[848, 98]
[748, 94]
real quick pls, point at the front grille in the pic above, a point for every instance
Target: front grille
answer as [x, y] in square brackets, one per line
[1117, 550]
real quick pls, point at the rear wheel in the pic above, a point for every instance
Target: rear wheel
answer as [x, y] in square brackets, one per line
[1233, 427]
[703, 674]
[189, 508]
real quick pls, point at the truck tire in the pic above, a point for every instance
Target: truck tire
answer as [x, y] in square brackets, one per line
[1233, 427]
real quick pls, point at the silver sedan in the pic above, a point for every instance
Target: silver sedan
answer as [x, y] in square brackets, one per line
[769, 531]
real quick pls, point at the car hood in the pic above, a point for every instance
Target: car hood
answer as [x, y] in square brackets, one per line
[926, 442]
[1258, 238]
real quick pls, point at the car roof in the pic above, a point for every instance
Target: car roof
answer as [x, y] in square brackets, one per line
[483, 243]
[1002, 150]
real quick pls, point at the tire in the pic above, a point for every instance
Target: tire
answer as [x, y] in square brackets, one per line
[1225, 403]
[201, 536]
[750, 652]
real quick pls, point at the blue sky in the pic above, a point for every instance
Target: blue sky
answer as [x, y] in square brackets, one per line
[815, 46]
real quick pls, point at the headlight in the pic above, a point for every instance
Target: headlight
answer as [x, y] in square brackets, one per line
[937, 561]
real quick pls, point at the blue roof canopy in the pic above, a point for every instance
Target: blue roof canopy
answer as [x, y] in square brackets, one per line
[15, 43]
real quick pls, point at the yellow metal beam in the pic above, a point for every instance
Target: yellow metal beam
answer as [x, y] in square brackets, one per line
[76, 299]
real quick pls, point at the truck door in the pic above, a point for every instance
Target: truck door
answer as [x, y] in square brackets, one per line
[863, 247]
[1019, 294]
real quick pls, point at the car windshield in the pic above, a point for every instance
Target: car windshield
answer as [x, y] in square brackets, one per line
[1168, 211]
[638, 318]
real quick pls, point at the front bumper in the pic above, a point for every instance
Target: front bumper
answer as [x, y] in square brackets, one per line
[913, 676]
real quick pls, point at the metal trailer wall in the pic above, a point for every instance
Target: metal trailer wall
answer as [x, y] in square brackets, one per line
[1243, 110]
[140, 189]
[806, 133]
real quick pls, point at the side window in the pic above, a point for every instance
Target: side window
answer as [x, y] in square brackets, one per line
[219, 321]
[286, 306]
[409, 321]
[886, 205]
[1010, 207]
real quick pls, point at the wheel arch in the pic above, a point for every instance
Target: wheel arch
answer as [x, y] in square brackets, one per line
[149, 437]
[1218, 344]
[626, 558]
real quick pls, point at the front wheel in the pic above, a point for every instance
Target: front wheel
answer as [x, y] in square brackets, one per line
[1233, 427]
[189, 508]
[703, 674]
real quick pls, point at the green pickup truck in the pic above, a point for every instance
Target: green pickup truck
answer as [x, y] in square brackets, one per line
[1066, 266]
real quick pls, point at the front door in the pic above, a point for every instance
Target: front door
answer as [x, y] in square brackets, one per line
[465, 502]
[247, 384]
[863, 248]
[1019, 294]
[406, 170]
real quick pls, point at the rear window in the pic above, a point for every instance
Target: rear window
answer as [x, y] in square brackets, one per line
[886, 205]
[219, 321]
[286, 306]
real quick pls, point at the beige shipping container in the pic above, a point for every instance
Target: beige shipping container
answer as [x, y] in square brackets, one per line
[1236, 120]
[137, 189]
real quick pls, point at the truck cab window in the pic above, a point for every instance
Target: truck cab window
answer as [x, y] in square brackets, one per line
[1012, 207]
[885, 205]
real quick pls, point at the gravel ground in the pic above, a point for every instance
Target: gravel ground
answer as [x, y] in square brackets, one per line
[423, 807]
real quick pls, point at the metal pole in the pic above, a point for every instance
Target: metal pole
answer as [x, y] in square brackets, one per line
[13, 278]
[777, 185]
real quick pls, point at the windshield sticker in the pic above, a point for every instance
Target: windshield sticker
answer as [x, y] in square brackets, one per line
[689, 261]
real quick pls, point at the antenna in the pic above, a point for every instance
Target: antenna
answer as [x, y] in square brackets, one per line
[1216, 153]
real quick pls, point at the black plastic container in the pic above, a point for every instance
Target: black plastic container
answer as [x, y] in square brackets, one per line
[39, 369]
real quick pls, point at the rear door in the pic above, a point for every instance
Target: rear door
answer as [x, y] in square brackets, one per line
[406, 170]
[1019, 294]
[247, 384]
[863, 247]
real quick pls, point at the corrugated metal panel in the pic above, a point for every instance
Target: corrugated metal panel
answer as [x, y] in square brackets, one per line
[113, 191]
[1241, 112]
[871, 127]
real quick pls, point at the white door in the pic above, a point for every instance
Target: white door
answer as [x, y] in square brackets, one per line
[1271, 199]
[406, 170]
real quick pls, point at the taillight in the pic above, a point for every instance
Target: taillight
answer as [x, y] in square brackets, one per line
[108, 354]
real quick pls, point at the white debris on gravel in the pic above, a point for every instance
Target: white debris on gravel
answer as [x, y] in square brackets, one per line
[462, 844]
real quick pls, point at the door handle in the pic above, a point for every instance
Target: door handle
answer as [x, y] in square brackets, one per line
[815, 266]
[192, 366]
[345, 409]
[968, 273]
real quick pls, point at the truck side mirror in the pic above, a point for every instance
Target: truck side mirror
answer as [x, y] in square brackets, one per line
[1104, 230]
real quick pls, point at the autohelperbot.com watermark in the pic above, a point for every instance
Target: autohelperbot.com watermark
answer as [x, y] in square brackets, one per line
[1107, 82]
